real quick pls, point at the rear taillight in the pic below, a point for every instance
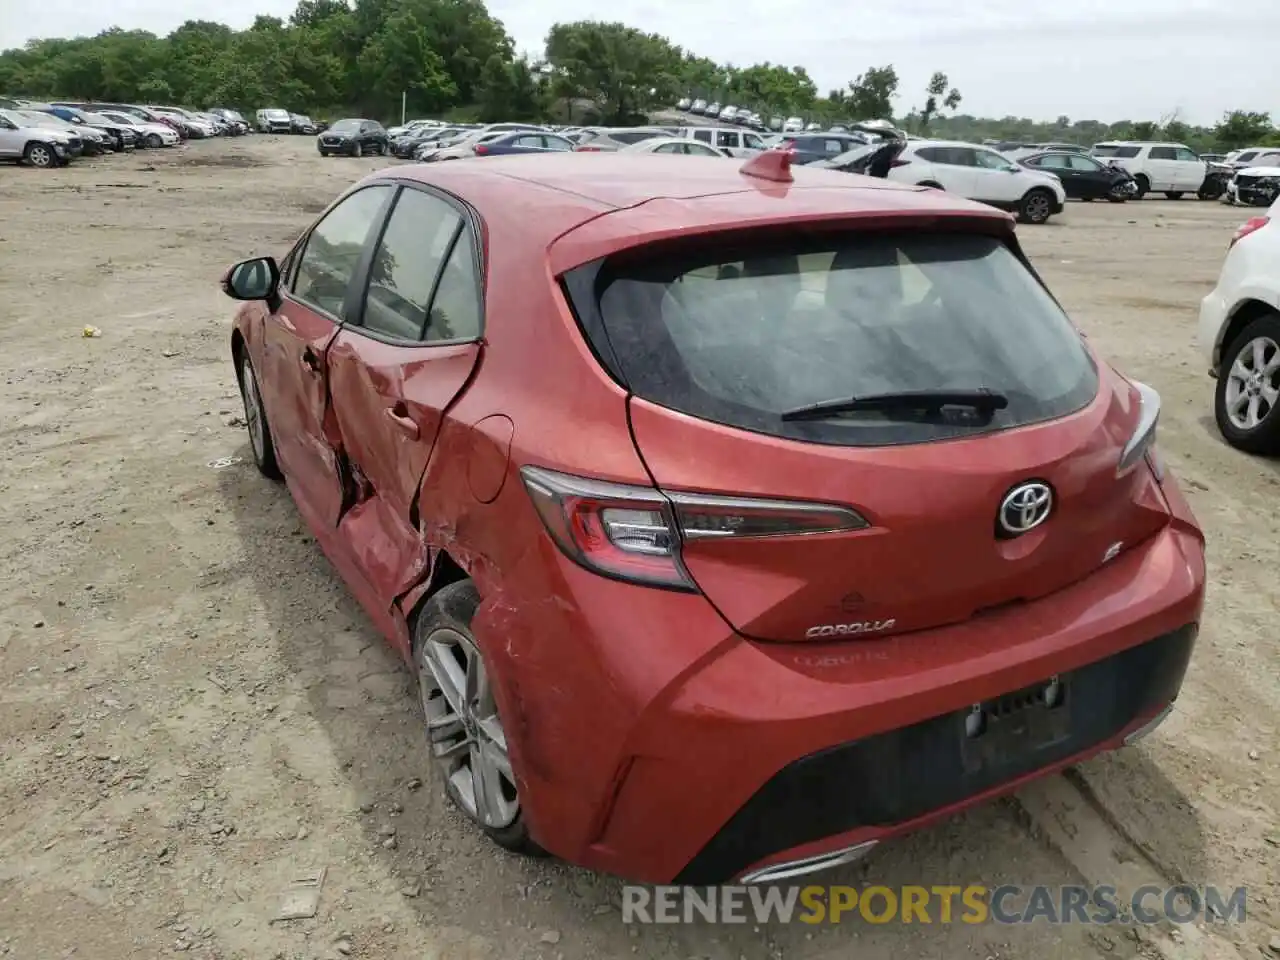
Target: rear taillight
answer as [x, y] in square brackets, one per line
[1252, 225]
[481, 149]
[587, 149]
[635, 533]
[1142, 442]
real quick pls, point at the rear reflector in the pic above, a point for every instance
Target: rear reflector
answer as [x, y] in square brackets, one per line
[587, 150]
[635, 534]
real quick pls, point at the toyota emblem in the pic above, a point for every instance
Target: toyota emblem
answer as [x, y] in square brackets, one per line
[1024, 508]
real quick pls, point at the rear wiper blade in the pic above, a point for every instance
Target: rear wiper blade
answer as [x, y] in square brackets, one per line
[981, 400]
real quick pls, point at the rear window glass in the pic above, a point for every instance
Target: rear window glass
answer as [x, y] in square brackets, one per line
[1127, 152]
[1104, 150]
[740, 336]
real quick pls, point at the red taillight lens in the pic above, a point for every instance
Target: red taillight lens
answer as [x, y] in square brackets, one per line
[1249, 226]
[481, 149]
[587, 149]
[635, 533]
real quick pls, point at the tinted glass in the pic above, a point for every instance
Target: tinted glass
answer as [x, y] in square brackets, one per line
[1080, 162]
[1247, 155]
[1053, 162]
[404, 268]
[527, 142]
[1187, 155]
[741, 336]
[703, 135]
[700, 150]
[333, 250]
[346, 126]
[455, 311]
[752, 141]
[1126, 153]
[1162, 153]
[727, 138]
[670, 148]
[991, 160]
[556, 143]
[1104, 150]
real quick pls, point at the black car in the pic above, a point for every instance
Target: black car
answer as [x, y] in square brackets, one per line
[353, 138]
[808, 147]
[1083, 177]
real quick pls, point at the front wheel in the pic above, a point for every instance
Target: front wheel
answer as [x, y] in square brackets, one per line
[154, 140]
[40, 155]
[255, 421]
[324, 153]
[467, 740]
[1248, 389]
[1174, 194]
[1036, 206]
[1118, 194]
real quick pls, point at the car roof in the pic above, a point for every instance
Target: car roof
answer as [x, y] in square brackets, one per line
[539, 199]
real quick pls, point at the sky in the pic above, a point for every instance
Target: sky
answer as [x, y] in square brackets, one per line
[1085, 59]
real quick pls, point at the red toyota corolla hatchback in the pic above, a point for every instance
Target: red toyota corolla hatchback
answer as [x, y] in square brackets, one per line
[733, 519]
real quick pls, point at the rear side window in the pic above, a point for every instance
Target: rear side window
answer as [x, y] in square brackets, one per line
[1162, 153]
[743, 335]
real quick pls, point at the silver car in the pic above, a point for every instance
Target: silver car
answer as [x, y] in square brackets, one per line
[34, 145]
[681, 146]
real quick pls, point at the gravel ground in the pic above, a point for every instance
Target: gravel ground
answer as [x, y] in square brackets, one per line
[194, 713]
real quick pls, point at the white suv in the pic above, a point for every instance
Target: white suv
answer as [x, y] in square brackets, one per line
[1240, 336]
[981, 174]
[1169, 168]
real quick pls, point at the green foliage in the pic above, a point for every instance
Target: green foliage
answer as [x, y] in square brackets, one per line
[624, 70]
[937, 97]
[1240, 128]
[362, 55]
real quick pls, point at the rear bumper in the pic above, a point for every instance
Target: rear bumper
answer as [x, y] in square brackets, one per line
[1213, 319]
[870, 788]
[662, 746]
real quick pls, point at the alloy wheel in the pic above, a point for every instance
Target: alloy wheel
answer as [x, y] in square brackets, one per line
[467, 739]
[1037, 208]
[40, 156]
[1252, 389]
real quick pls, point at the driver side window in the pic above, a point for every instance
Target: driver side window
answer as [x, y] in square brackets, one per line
[333, 250]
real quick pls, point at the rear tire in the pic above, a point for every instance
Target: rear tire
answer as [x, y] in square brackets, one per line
[1239, 391]
[447, 659]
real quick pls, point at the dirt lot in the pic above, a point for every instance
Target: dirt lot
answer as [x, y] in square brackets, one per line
[193, 712]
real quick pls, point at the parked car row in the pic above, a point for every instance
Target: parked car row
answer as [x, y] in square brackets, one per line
[276, 120]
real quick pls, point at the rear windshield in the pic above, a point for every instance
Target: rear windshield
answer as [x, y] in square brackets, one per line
[740, 336]
[633, 136]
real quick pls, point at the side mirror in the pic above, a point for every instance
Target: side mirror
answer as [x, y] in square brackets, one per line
[256, 279]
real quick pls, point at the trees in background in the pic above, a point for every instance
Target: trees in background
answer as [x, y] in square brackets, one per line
[453, 57]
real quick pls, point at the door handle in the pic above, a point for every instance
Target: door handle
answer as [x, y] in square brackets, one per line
[310, 361]
[399, 415]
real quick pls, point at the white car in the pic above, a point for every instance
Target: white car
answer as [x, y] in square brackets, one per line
[793, 125]
[1169, 168]
[1257, 185]
[685, 146]
[978, 173]
[149, 134]
[1240, 336]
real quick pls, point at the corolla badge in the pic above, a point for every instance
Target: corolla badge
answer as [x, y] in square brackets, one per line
[849, 629]
[1024, 508]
